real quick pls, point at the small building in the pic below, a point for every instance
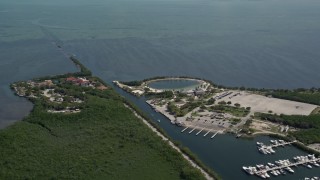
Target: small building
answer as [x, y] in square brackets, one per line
[79, 81]
[48, 83]
[199, 92]
[102, 88]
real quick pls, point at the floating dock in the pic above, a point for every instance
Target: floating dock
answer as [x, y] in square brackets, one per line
[281, 166]
[268, 149]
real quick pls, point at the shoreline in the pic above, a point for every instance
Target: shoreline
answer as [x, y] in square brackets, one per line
[195, 126]
[191, 159]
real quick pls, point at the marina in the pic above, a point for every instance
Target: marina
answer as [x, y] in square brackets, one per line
[200, 131]
[281, 166]
[268, 149]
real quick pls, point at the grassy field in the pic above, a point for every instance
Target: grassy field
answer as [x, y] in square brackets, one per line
[235, 111]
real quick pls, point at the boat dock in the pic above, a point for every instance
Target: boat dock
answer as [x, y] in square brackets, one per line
[214, 135]
[268, 149]
[281, 165]
[206, 133]
[184, 129]
[199, 132]
[192, 130]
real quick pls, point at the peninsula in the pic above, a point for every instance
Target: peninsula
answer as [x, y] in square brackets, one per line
[81, 129]
[212, 109]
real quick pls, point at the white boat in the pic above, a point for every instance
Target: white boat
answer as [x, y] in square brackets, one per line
[267, 175]
[274, 173]
[315, 164]
[289, 169]
[272, 151]
[249, 170]
[271, 165]
[261, 175]
[259, 143]
[308, 165]
[158, 120]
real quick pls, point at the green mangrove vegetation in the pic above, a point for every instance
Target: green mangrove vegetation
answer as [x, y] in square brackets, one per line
[103, 140]
[311, 96]
[309, 125]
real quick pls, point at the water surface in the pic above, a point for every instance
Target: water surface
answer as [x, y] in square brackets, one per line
[254, 43]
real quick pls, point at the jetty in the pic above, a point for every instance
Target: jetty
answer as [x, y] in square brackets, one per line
[281, 166]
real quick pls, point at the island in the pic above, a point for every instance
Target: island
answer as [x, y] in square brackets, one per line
[80, 128]
[208, 109]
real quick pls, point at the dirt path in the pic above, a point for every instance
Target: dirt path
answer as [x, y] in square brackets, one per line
[207, 176]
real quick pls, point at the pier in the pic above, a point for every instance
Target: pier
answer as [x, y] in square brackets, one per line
[206, 133]
[184, 129]
[281, 165]
[268, 149]
[199, 132]
[214, 135]
[192, 130]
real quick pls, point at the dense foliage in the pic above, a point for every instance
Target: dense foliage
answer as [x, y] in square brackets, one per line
[183, 110]
[163, 95]
[235, 111]
[84, 71]
[311, 96]
[132, 83]
[105, 140]
[310, 125]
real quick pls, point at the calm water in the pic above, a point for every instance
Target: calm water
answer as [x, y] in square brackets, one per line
[174, 84]
[256, 43]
